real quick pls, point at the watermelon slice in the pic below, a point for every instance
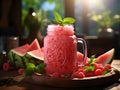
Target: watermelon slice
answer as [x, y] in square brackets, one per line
[18, 56]
[42, 49]
[80, 57]
[37, 54]
[106, 57]
[22, 50]
[34, 45]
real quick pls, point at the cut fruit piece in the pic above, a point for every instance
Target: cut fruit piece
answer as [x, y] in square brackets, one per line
[80, 57]
[106, 57]
[34, 45]
[16, 60]
[22, 50]
[42, 49]
[18, 56]
[37, 54]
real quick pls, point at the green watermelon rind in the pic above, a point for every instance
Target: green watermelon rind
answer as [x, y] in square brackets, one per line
[18, 57]
[30, 54]
[20, 54]
[10, 56]
[23, 48]
[33, 58]
[18, 61]
[15, 60]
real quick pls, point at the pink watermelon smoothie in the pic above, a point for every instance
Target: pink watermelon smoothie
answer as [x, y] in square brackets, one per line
[60, 50]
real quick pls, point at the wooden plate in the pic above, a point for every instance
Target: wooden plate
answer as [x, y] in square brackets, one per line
[109, 78]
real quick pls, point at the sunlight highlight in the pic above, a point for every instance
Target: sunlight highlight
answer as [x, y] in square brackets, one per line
[94, 3]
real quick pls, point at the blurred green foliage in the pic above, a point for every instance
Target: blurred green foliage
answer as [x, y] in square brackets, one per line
[36, 4]
[41, 15]
[36, 20]
[105, 19]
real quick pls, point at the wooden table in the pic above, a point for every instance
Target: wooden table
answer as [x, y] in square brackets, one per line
[21, 85]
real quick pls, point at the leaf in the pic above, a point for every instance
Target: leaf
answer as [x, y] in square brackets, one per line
[68, 20]
[62, 22]
[92, 59]
[89, 68]
[41, 68]
[30, 65]
[28, 71]
[30, 68]
[58, 17]
[105, 72]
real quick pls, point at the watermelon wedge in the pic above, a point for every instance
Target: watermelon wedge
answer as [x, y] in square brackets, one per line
[42, 49]
[80, 57]
[106, 57]
[22, 50]
[37, 54]
[34, 45]
[19, 56]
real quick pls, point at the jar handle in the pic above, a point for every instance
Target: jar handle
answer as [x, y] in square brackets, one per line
[84, 45]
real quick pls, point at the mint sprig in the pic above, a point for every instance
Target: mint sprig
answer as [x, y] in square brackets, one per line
[31, 69]
[91, 62]
[92, 59]
[64, 21]
[89, 68]
[40, 68]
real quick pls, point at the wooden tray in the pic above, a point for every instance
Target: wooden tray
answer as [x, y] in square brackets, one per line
[109, 78]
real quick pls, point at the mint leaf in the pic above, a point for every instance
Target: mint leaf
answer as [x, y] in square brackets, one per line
[105, 72]
[89, 68]
[68, 20]
[58, 17]
[62, 22]
[30, 68]
[92, 59]
[40, 68]
[28, 71]
[30, 65]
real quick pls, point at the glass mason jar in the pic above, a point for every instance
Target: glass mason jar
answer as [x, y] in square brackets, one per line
[60, 50]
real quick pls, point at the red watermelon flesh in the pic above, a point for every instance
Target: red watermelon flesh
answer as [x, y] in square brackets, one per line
[106, 57]
[80, 57]
[34, 45]
[42, 49]
[22, 50]
[37, 54]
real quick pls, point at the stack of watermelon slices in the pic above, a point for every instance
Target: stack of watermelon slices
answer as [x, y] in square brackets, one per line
[26, 53]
